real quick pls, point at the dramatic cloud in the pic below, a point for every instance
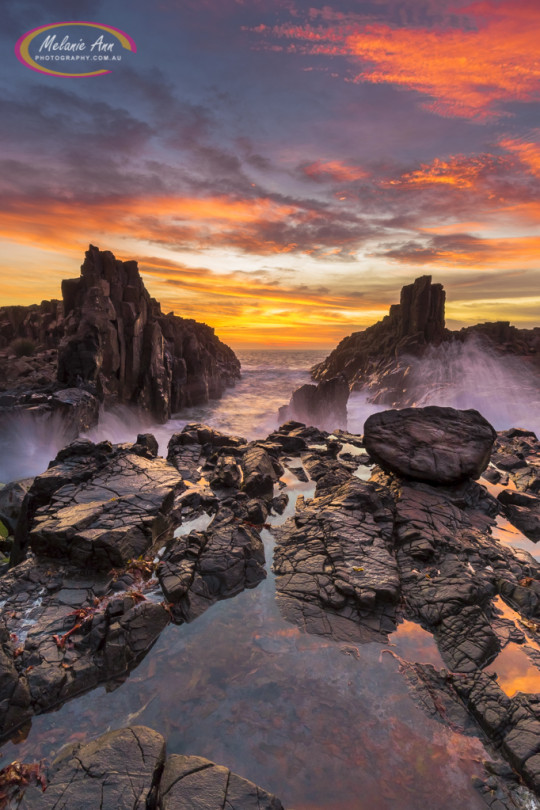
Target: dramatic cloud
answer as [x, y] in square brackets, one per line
[467, 72]
[464, 250]
[286, 167]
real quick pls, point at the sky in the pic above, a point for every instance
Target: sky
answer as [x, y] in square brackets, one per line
[279, 168]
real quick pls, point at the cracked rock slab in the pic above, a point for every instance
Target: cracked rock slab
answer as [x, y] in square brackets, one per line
[98, 506]
[115, 772]
[194, 783]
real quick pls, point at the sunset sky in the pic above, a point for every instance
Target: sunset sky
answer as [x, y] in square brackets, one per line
[281, 168]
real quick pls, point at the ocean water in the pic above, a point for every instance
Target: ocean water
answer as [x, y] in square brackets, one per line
[250, 409]
[460, 376]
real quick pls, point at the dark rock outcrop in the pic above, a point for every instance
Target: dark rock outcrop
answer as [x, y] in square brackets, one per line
[199, 568]
[116, 337]
[357, 558]
[323, 405]
[41, 323]
[412, 325]
[110, 562]
[438, 445]
[336, 575]
[259, 473]
[112, 339]
[385, 358]
[128, 769]
[517, 453]
[361, 556]
[98, 506]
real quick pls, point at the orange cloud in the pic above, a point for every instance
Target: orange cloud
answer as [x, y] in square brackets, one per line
[467, 72]
[528, 153]
[334, 170]
[259, 226]
[459, 171]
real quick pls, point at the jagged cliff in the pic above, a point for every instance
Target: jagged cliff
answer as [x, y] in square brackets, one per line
[377, 358]
[416, 322]
[113, 340]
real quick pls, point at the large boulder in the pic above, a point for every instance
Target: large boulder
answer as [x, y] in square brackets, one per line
[259, 474]
[437, 445]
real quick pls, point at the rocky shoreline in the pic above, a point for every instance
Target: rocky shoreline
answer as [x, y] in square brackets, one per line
[386, 360]
[105, 558]
[112, 543]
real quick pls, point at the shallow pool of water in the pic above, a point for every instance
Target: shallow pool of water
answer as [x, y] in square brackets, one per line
[321, 723]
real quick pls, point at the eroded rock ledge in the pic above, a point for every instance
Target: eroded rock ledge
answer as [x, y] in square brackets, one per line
[110, 562]
[129, 769]
[362, 556]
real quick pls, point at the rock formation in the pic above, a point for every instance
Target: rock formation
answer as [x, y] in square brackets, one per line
[418, 541]
[438, 445]
[41, 323]
[87, 507]
[128, 769]
[361, 556]
[112, 339]
[85, 574]
[416, 322]
[116, 337]
[379, 358]
[323, 405]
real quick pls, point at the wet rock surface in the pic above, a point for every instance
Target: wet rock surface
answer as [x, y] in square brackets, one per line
[362, 556]
[128, 769]
[354, 561]
[98, 506]
[92, 595]
[336, 575]
[194, 782]
[119, 770]
[438, 445]
[323, 405]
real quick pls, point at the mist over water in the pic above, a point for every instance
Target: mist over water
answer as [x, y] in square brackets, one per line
[504, 389]
[269, 377]
[28, 443]
[460, 375]
[249, 409]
